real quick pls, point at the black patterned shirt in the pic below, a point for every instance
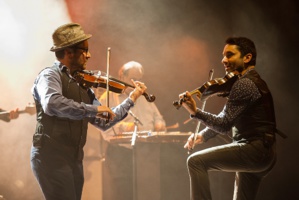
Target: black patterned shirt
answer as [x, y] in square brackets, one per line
[243, 93]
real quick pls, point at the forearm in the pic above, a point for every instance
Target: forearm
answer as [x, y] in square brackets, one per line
[207, 134]
[121, 112]
[218, 123]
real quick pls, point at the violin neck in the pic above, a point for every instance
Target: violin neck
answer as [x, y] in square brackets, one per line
[197, 92]
[122, 82]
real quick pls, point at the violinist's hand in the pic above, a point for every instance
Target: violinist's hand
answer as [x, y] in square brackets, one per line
[188, 102]
[138, 91]
[14, 114]
[189, 143]
[105, 113]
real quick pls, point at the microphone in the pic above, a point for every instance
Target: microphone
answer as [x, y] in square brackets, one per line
[135, 118]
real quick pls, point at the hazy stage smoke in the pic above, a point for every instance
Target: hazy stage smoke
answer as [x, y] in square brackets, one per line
[177, 42]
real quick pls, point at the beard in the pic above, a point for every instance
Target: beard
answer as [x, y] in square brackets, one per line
[76, 66]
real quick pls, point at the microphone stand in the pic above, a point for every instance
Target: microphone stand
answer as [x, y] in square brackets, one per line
[136, 122]
[134, 136]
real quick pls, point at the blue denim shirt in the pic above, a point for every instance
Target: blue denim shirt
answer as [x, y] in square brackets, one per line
[47, 89]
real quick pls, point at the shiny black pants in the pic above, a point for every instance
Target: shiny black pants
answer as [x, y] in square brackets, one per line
[251, 162]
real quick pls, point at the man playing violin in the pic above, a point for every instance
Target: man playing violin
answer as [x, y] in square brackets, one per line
[249, 114]
[64, 109]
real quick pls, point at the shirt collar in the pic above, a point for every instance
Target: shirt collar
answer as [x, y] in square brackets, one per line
[61, 66]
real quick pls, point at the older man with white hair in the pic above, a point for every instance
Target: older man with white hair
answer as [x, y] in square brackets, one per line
[118, 168]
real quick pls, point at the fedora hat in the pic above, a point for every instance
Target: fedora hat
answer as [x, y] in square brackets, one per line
[68, 35]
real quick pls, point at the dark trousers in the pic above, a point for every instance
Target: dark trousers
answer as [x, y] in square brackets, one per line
[251, 162]
[59, 173]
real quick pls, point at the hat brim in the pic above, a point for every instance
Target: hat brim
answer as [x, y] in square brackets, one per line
[58, 48]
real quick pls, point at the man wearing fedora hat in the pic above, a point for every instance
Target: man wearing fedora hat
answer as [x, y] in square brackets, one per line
[64, 109]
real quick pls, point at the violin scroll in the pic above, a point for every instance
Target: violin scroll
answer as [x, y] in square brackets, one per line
[149, 97]
[177, 104]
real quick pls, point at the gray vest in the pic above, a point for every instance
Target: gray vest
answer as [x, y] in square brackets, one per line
[66, 134]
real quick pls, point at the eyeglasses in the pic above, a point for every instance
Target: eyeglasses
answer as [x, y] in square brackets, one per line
[85, 50]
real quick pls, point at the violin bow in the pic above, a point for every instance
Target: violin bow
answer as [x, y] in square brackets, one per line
[202, 108]
[107, 81]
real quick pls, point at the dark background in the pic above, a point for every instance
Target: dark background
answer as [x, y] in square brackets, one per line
[177, 42]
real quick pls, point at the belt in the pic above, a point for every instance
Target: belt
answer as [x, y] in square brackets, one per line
[267, 138]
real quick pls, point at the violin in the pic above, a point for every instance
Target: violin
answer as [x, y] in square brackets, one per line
[218, 86]
[89, 79]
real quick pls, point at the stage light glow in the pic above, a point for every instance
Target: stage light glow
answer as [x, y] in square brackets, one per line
[26, 28]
